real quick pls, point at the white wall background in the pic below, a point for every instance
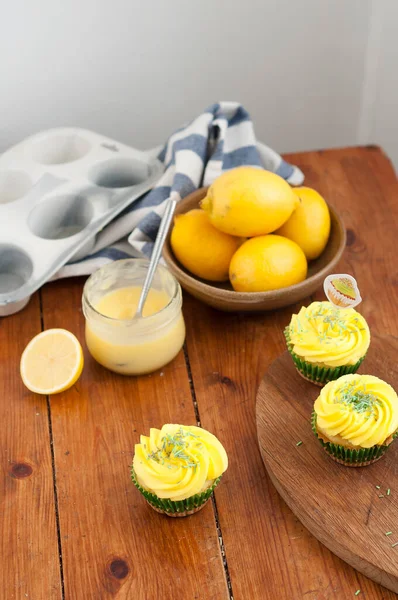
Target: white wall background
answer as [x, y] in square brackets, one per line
[379, 116]
[313, 73]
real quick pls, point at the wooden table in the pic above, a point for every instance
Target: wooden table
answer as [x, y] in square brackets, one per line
[73, 525]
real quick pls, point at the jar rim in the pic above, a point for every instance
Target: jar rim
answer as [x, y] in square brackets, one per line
[140, 261]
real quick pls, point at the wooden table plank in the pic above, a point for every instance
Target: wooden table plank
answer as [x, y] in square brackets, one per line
[28, 542]
[269, 554]
[113, 543]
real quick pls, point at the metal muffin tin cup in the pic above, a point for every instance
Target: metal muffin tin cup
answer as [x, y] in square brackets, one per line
[58, 189]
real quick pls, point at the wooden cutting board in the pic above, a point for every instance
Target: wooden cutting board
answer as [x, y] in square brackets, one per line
[341, 506]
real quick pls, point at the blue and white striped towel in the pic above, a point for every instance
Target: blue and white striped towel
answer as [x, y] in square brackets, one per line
[219, 139]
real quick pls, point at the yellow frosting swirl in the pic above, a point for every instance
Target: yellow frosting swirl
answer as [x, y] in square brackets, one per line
[357, 410]
[324, 334]
[178, 461]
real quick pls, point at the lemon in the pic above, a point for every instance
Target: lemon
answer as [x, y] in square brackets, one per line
[52, 362]
[200, 247]
[309, 225]
[247, 201]
[267, 262]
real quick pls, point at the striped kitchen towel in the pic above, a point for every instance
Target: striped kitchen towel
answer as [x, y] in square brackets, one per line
[219, 139]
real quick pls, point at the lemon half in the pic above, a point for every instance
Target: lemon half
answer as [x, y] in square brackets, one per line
[52, 362]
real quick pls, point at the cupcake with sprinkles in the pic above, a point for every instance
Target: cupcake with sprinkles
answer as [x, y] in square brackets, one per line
[327, 342]
[355, 418]
[177, 468]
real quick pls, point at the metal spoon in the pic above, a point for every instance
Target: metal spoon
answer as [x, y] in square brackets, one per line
[157, 252]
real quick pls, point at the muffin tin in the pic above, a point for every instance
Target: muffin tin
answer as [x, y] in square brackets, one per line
[59, 188]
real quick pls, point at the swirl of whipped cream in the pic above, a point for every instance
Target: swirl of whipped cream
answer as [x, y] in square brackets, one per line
[357, 410]
[323, 333]
[178, 461]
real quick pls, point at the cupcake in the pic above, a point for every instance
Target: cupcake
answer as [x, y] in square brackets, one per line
[355, 418]
[177, 468]
[326, 342]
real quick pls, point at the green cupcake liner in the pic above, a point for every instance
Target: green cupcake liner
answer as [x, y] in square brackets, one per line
[349, 456]
[315, 373]
[179, 507]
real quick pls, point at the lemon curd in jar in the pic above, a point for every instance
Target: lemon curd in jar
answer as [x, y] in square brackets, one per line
[117, 340]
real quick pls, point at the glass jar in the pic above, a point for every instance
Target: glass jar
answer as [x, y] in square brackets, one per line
[127, 345]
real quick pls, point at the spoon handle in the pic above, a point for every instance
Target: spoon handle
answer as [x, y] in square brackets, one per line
[157, 252]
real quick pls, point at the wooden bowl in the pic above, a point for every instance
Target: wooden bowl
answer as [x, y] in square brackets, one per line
[222, 295]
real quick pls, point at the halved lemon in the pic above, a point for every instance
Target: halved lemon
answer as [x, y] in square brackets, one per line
[52, 362]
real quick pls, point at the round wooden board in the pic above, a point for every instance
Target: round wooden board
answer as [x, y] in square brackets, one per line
[339, 505]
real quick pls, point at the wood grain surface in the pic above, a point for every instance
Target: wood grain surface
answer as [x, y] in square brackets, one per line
[269, 553]
[30, 565]
[248, 545]
[113, 543]
[341, 506]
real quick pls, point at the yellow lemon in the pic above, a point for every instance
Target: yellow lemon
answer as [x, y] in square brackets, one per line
[247, 201]
[200, 247]
[267, 262]
[52, 362]
[309, 225]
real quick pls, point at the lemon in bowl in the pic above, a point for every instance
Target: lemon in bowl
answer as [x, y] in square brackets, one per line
[309, 224]
[248, 201]
[201, 248]
[267, 262]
